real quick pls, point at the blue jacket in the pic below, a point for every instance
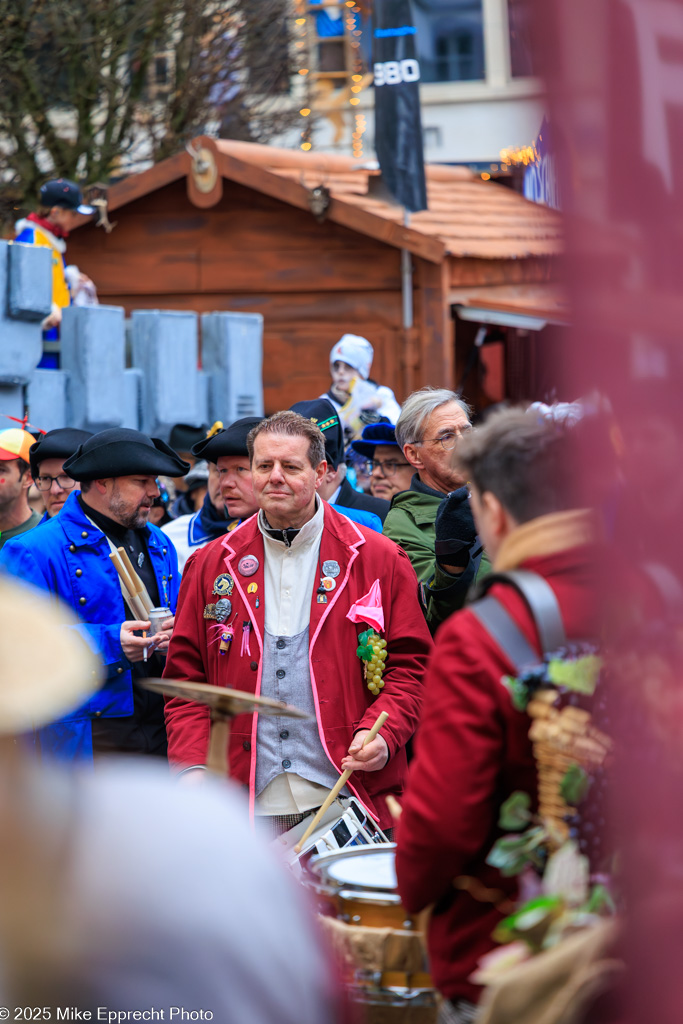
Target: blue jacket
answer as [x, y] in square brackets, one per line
[69, 557]
[357, 515]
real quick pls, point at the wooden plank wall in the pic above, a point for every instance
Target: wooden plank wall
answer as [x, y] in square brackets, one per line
[311, 282]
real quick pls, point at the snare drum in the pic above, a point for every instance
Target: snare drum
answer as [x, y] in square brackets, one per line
[358, 886]
[380, 946]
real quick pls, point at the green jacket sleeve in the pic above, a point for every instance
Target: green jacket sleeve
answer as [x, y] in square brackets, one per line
[416, 540]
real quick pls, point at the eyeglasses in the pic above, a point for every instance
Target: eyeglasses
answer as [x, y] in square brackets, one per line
[44, 483]
[448, 441]
[385, 468]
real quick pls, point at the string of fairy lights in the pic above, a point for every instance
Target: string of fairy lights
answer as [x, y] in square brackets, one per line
[515, 155]
[305, 40]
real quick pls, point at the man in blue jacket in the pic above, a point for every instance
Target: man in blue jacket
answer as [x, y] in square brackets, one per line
[69, 557]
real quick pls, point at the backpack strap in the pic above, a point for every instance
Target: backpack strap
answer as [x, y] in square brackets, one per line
[541, 602]
[502, 628]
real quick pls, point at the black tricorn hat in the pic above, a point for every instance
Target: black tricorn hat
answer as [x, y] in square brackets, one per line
[183, 436]
[325, 417]
[231, 441]
[56, 444]
[123, 452]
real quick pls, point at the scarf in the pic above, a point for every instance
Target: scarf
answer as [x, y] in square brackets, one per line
[547, 535]
[47, 225]
[209, 521]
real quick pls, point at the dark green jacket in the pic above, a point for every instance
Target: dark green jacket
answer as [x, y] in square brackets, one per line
[410, 523]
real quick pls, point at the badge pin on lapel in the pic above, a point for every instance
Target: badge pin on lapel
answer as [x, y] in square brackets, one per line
[252, 588]
[223, 609]
[248, 566]
[223, 585]
[331, 568]
[226, 640]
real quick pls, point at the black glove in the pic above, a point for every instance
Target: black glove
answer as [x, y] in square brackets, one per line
[455, 529]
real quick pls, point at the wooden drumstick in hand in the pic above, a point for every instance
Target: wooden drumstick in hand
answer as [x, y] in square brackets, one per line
[339, 785]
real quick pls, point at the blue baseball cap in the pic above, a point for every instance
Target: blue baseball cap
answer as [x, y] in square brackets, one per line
[375, 434]
[62, 192]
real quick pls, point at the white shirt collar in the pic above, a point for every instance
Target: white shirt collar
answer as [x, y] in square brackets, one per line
[309, 532]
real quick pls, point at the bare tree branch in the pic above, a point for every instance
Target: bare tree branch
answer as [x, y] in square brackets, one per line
[82, 91]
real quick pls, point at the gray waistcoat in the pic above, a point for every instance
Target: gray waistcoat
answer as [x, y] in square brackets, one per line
[289, 744]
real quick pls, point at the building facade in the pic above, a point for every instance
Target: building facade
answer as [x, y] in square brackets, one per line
[478, 89]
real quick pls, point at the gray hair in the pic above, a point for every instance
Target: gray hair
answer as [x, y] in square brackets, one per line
[417, 409]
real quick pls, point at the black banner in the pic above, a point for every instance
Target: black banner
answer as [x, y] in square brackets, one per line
[398, 126]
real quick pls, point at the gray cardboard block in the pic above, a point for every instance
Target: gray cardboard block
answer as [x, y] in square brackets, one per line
[21, 348]
[232, 355]
[132, 398]
[165, 349]
[93, 354]
[30, 282]
[46, 398]
[203, 381]
[4, 286]
[11, 404]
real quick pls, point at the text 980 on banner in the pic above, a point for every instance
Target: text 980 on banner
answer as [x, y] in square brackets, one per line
[393, 72]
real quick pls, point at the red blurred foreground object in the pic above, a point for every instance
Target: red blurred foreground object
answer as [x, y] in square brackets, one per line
[615, 80]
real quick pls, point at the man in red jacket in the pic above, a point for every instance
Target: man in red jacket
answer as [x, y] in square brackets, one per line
[264, 610]
[472, 746]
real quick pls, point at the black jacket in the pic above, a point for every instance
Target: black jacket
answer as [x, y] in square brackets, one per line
[350, 498]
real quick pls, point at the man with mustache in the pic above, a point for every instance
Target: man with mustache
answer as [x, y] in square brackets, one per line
[230, 498]
[69, 557]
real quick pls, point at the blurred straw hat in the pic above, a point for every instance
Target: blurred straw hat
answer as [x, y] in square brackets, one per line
[47, 669]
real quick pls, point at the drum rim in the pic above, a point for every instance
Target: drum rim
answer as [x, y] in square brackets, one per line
[319, 862]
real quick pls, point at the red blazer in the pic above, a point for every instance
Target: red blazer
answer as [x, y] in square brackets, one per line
[472, 752]
[342, 700]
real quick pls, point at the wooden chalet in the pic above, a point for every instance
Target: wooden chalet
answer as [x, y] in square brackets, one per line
[310, 241]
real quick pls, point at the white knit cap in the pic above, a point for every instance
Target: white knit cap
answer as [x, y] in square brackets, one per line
[355, 351]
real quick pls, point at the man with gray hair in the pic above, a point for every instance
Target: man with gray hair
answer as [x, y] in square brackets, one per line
[433, 521]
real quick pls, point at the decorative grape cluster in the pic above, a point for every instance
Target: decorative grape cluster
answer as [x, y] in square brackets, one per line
[372, 650]
[573, 669]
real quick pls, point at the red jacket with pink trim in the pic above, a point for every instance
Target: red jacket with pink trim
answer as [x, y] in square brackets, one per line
[343, 702]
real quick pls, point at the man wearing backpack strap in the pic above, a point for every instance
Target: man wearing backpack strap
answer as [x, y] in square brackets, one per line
[472, 746]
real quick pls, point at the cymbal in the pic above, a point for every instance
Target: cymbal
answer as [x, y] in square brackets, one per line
[227, 702]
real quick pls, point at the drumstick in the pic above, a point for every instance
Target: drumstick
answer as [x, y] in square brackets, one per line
[140, 588]
[133, 600]
[125, 580]
[339, 784]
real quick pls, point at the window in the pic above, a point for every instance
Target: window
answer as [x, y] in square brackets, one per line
[450, 40]
[431, 137]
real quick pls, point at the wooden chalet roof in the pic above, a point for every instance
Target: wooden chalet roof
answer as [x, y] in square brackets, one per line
[467, 217]
[546, 301]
